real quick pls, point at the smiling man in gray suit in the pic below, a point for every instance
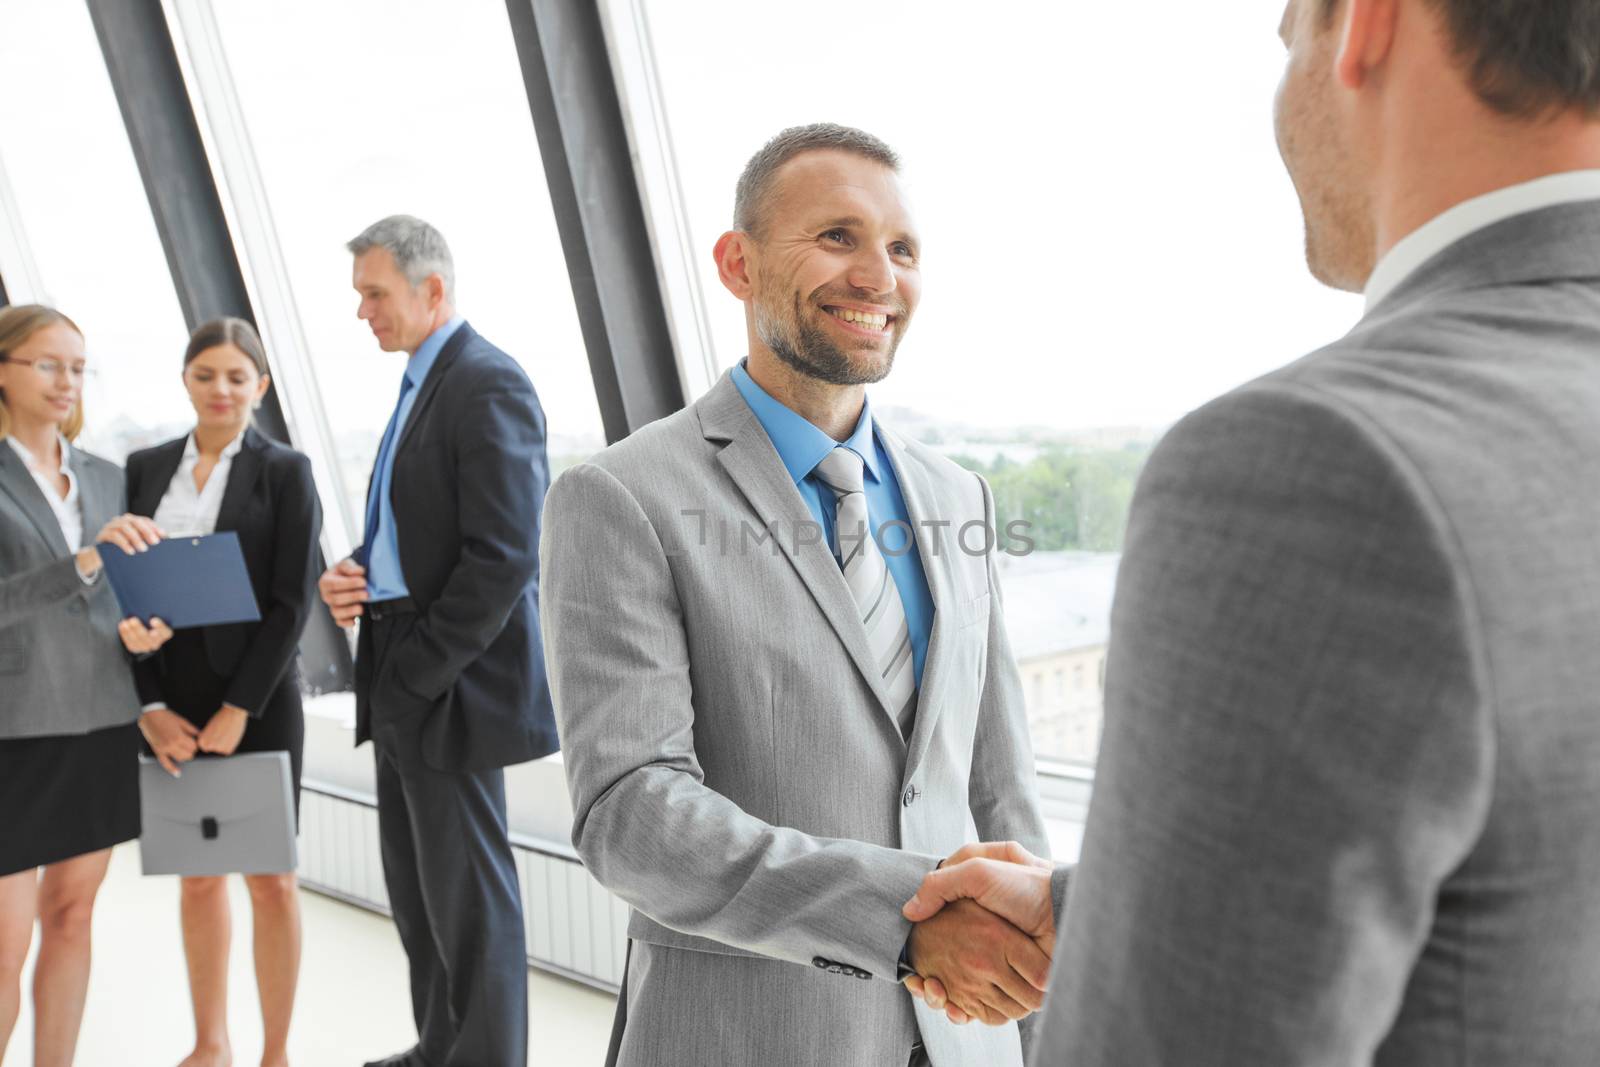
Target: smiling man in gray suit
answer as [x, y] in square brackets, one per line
[1346, 807]
[774, 721]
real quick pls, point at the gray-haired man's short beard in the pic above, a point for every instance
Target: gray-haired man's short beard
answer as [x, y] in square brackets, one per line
[811, 353]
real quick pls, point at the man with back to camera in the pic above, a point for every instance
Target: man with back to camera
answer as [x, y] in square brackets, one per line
[775, 723]
[450, 683]
[1345, 805]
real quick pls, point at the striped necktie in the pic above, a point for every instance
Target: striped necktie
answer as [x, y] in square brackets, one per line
[867, 574]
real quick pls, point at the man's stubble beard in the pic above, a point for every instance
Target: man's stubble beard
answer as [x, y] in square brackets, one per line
[804, 348]
[1339, 237]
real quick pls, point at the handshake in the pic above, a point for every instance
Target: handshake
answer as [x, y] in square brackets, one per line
[984, 934]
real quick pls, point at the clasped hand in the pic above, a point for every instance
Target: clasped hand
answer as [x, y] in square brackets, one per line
[984, 935]
[174, 739]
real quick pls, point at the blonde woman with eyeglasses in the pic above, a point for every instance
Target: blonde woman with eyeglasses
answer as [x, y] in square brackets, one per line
[69, 786]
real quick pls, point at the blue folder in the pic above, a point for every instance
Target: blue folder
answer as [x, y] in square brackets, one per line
[183, 581]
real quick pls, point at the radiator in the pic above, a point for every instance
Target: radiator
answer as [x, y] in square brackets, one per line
[572, 926]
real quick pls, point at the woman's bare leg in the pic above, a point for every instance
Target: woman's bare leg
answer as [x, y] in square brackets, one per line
[19, 909]
[207, 933]
[275, 900]
[61, 974]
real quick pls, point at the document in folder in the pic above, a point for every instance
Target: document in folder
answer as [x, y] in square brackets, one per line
[184, 581]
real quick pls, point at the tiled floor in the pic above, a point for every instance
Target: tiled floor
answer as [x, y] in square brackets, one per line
[352, 1003]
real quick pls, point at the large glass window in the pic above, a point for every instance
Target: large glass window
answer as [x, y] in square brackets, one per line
[404, 106]
[82, 209]
[1109, 240]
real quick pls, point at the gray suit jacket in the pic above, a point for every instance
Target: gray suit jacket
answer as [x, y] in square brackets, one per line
[62, 669]
[1348, 802]
[25, 595]
[736, 772]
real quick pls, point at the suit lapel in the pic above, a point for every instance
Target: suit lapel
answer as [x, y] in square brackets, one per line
[242, 477]
[755, 468]
[17, 483]
[425, 394]
[430, 385]
[100, 499]
[161, 467]
[917, 490]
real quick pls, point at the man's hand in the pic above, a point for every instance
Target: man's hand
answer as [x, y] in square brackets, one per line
[172, 737]
[131, 533]
[987, 968]
[1002, 877]
[141, 639]
[224, 730]
[344, 589]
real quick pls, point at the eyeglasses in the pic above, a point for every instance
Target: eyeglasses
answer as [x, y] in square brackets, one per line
[51, 368]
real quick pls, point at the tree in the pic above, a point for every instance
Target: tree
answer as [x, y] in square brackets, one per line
[1072, 498]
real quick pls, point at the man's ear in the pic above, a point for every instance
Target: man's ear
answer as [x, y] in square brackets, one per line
[733, 254]
[1369, 30]
[436, 294]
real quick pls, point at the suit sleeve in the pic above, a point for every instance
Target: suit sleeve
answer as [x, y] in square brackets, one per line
[501, 478]
[1297, 753]
[22, 595]
[297, 518]
[147, 667]
[645, 823]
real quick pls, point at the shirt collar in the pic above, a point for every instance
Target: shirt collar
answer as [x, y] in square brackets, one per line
[32, 463]
[800, 443]
[1471, 216]
[428, 352]
[191, 449]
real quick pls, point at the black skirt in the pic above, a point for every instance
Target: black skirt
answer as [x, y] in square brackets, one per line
[194, 690]
[63, 796]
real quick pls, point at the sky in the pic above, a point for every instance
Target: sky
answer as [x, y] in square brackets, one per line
[1109, 237]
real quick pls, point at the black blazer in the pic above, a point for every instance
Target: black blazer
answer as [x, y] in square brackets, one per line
[470, 475]
[271, 502]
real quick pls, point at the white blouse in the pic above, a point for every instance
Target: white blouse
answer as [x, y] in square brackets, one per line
[189, 512]
[69, 511]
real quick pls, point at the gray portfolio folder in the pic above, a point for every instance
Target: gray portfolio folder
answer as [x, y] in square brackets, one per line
[231, 815]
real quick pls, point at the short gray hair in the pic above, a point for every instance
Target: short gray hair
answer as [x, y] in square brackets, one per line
[418, 249]
[755, 184]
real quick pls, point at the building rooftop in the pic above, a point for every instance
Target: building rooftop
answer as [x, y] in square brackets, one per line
[1057, 601]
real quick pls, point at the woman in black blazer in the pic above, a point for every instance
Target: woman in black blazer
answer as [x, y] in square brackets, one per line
[218, 690]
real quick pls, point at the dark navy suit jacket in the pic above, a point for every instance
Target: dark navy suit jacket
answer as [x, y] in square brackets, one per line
[470, 474]
[271, 502]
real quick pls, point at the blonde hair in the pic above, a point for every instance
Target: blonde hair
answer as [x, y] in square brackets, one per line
[19, 322]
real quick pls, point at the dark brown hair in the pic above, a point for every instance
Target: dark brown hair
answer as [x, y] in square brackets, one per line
[228, 331]
[1525, 58]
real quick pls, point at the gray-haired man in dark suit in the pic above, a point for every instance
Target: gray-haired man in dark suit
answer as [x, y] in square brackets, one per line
[1346, 805]
[450, 683]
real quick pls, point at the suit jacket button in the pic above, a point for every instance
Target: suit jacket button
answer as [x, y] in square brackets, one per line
[818, 961]
[834, 968]
[75, 608]
[911, 796]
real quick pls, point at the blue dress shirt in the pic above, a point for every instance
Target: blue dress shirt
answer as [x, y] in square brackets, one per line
[384, 579]
[801, 446]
